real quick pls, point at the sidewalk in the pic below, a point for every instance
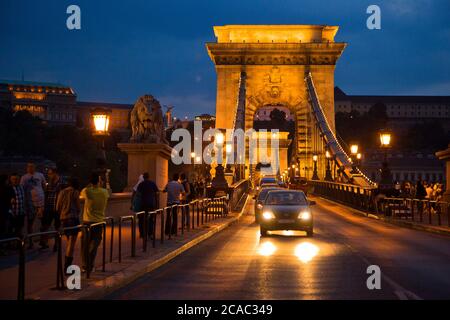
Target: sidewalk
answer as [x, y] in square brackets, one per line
[40, 275]
[401, 222]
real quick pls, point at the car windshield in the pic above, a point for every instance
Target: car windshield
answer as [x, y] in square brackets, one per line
[262, 195]
[286, 198]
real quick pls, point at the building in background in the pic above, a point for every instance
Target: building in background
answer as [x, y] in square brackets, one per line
[208, 121]
[402, 111]
[54, 103]
[120, 114]
[405, 166]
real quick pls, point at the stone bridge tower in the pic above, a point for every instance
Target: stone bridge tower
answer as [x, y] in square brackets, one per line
[276, 59]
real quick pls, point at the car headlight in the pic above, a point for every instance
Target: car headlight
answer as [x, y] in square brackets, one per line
[304, 215]
[267, 215]
[259, 206]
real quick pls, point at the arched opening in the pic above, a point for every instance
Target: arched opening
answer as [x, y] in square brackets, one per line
[274, 117]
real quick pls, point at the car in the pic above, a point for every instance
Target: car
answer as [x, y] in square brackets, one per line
[299, 183]
[266, 181]
[286, 210]
[259, 200]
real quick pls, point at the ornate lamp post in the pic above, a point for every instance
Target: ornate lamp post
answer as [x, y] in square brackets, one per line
[101, 118]
[354, 152]
[328, 175]
[193, 162]
[315, 176]
[385, 142]
[219, 183]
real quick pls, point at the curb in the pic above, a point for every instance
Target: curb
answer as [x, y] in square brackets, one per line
[121, 279]
[399, 223]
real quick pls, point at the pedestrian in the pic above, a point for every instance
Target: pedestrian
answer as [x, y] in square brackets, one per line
[6, 197]
[53, 187]
[148, 192]
[18, 206]
[95, 201]
[429, 191]
[186, 198]
[34, 184]
[174, 191]
[421, 193]
[68, 208]
[136, 196]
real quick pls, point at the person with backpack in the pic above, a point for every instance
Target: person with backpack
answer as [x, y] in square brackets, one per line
[68, 208]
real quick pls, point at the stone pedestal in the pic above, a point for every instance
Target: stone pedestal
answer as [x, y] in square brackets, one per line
[445, 155]
[148, 157]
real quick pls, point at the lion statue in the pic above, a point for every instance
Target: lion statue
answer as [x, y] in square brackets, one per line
[147, 123]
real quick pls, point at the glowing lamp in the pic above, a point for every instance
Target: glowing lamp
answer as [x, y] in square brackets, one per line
[385, 138]
[219, 138]
[354, 149]
[100, 118]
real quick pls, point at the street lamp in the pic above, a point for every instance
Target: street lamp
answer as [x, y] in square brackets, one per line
[354, 152]
[315, 176]
[219, 138]
[328, 175]
[385, 138]
[354, 149]
[385, 142]
[101, 118]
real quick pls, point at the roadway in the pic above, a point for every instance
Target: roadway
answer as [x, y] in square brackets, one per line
[238, 264]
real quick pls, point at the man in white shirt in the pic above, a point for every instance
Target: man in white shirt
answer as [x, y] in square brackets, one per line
[175, 191]
[34, 184]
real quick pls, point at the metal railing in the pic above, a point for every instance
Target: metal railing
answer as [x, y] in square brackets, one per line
[189, 216]
[418, 210]
[366, 199]
[354, 196]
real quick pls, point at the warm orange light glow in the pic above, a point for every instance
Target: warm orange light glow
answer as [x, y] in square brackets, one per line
[306, 251]
[219, 138]
[228, 148]
[358, 156]
[327, 154]
[192, 154]
[267, 249]
[197, 159]
[354, 149]
[101, 123]
[385, 139]
[315, 157]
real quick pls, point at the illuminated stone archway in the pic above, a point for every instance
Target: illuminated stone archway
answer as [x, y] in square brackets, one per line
[275, 60]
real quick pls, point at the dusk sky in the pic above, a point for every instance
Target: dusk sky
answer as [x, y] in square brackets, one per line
[129, 48]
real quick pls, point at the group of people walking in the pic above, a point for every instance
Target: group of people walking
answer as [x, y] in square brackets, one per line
[37, 202]
[33, 198]
[420, 190]
[146, 197]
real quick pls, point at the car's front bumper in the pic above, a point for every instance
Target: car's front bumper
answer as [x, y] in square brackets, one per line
[294, 224]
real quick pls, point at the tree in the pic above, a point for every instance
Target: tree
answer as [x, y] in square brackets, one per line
[74, 150]
[278, 118]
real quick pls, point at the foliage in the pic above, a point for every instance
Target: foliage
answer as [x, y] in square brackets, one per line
[74, 150]
[362, 128]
